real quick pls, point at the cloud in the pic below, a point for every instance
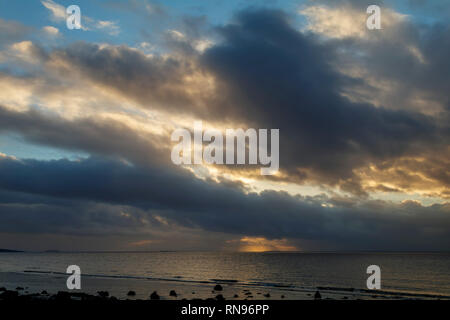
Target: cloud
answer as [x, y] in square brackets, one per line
[11, 31]
[261, 244]
[51, 31]
[353, 112]
[111, 27]
[391, 64]
[26, 51]
[270, 75]
[346, 21]
[58, 11]
[276, 77]
[181, 200]
[141, 243]
[167, 84]
[110, 138]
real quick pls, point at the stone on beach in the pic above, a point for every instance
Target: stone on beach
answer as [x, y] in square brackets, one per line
[154, 296]
[173, 293]
[317, 295]
[218, 287]
[103, 294]
[131, 293]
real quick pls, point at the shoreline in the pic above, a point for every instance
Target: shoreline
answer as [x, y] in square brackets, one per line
[31, 284]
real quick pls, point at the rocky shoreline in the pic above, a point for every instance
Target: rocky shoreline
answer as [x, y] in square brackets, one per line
[20, 294]
[51, 287]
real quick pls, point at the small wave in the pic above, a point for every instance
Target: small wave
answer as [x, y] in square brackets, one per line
[336, 289]
[385, 292]
[37, 271]
[112, 276]
[225, 280]
[269, 284]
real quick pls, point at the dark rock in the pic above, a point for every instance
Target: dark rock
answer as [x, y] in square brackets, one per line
[317, 295]
[235, 296]
[193, 292]
[218, 287]
[103, 294]
[131, 293]
[2, 289]
[345, 298]
[173, 293]
[154, 296]
[9, 295]
[282, 296]
[267, 295]
[248, 293]
[220, 297]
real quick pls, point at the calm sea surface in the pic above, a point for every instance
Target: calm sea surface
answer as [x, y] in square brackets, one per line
[418, 273]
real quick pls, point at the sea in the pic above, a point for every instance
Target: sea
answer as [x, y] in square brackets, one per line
[405, 275]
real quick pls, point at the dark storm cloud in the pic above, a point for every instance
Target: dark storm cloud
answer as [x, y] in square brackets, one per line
[111, 181]
[43, 215]
[155, 82]
[95, 136]
[270, 75]
[278, 77]
[189, 202]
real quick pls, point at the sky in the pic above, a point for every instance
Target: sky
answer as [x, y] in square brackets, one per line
[86, 117]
